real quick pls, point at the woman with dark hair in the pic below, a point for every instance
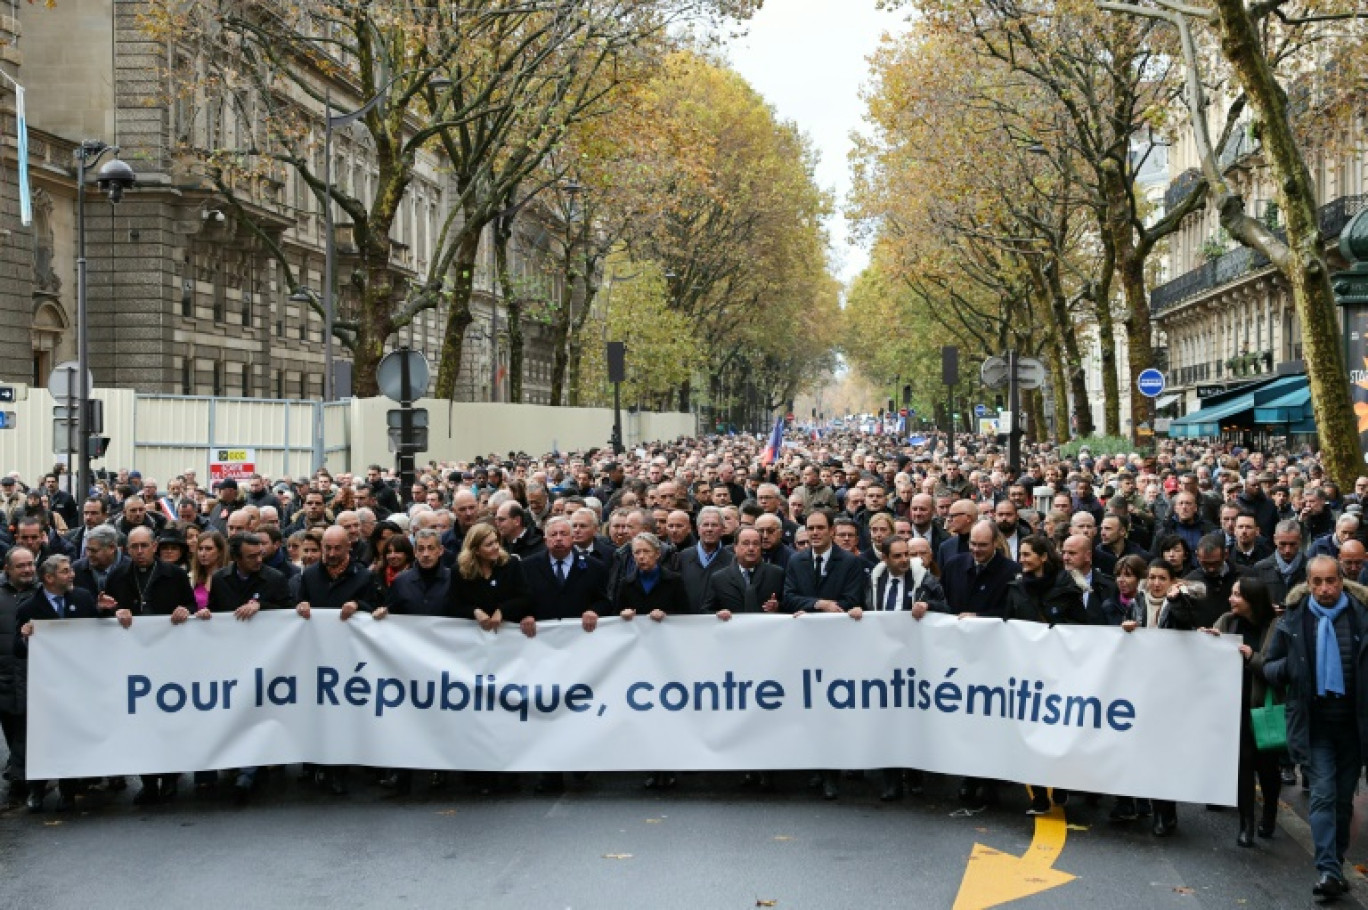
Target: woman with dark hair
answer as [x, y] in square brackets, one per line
[1252, 618]
[1130, 577]
[1174, 550]
[382, 532]
[1045, 592]
[395, 555]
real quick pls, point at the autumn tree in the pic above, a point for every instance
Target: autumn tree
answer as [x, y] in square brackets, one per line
[488, 86]
[1256, 44]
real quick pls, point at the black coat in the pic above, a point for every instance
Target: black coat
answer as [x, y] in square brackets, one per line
[167, 588]
[13, 673]
[585, 588]
[529, 544]
[89, 581]
[727, 589]
[982, 591]
[416, 592]
[323, 592]
[1059, 601]
[1103, 591]
[1267, 572]
[928, 591]
[779, 556]
[843, 581]
[504, 590]
[37, 608]
[227, 591]
[668, 595]
[696, 575]
[1289, 665]
[1208, 607]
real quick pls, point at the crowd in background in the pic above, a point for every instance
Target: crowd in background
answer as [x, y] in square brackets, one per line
[1214, 539]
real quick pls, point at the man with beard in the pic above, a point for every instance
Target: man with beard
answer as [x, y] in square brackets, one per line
[1006, 518]
[243, 588]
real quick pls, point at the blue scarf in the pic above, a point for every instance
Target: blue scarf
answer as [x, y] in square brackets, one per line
[1288, 568]
[649, 579]
[1329, 670]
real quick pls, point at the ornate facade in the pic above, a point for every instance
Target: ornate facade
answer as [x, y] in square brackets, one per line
[183, 297]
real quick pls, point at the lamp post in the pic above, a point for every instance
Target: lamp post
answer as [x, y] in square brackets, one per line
[330, 123]
[113, 178]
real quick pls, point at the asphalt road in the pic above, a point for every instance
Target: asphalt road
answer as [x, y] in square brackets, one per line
[611, 844]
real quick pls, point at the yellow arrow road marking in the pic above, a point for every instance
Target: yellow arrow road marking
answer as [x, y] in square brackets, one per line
[993, 878]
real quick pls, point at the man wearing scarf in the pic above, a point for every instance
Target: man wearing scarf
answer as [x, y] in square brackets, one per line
[1319, 658]
[1286, 568]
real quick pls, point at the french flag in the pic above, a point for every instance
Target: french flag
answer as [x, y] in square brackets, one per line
[776, 442]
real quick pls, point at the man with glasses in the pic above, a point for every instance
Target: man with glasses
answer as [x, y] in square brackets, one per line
[963, 513]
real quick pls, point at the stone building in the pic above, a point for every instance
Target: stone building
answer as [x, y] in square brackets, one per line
[183, 297]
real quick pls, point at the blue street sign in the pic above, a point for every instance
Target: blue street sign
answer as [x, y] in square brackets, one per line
[7, 420]
[980, 410]
[1150, 383]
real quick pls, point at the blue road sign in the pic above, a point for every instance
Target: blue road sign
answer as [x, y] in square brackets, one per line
[980, 410]
[1150, 383]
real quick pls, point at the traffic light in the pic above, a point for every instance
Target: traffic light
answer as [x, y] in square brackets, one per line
[892, 408]
[997, 402]
[907, 396]
[97, 446]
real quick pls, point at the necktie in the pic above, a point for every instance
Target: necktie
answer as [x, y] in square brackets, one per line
[817, 565]
[892, 603]
[560, 571]
[746, 573]
[61, 605]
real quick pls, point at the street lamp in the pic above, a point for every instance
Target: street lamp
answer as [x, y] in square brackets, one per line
[113, 179]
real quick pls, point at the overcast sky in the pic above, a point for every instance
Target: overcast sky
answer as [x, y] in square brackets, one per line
[807, 57]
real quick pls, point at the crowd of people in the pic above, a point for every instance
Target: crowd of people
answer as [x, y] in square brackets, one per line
[1208, 539]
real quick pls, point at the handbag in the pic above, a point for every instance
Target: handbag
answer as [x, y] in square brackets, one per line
[1269, 725]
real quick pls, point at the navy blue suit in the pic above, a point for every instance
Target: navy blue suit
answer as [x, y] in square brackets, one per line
[973, 589]
[843, 581]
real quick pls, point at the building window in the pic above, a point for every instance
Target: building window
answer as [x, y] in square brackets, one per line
[280, 384]
[188, 298]
[247, 301]
[246, 380]
[187, 378]
[219, 370]
[220, 300]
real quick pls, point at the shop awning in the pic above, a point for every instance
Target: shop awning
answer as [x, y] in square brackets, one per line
[1279, 403]
[1166, 400]
[1294, 407]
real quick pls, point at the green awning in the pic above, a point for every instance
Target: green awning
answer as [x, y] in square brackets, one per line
[1278, 401]
[1293, 407]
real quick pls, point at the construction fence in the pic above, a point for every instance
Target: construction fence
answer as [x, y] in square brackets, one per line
[165, 435]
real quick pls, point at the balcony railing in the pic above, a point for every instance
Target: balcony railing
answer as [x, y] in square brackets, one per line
[1333, 216]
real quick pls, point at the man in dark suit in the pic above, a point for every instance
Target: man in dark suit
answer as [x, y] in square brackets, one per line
[704, 559]
[563, 585]
[1008, 521]
[921, 511]
[102, 558]
[1099, 587]
[56, 598]
[975, 584]
[748, 585]
[1250, 548]
[773, 550]
[516, 530]
[585, 538]
[963, 514]
[422, 589]
[823, 579]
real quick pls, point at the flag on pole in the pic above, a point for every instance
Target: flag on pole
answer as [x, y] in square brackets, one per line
[25, 199]
[776, 442]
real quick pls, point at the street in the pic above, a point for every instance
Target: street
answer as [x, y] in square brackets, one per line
[611, 844]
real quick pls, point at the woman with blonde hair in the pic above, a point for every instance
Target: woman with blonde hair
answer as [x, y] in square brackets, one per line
[488, 586]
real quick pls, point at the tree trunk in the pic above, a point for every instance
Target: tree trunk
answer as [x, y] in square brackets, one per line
[459, 316]
[1059, 383]
[513, 310]
[1130, 263]
[1072, 365]
[1304, 267]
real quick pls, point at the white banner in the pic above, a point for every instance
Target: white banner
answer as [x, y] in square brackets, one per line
[1153, 713]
